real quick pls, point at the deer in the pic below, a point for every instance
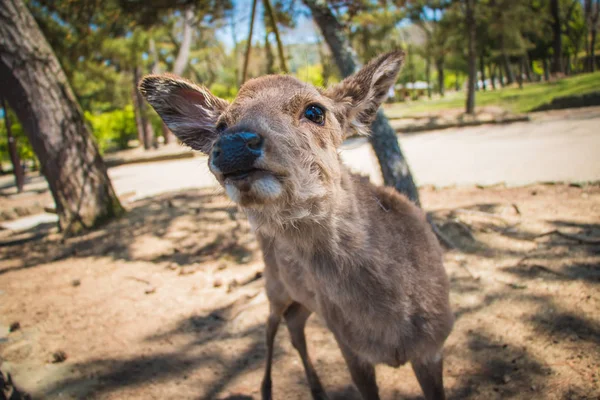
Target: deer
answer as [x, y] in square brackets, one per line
[360, 256]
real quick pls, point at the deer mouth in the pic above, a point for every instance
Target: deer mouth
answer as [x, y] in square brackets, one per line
[247, 175]
[253, 186]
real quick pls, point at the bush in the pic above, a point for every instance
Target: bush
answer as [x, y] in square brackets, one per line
[113, 129]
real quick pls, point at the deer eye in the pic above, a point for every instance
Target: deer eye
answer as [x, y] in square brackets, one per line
[315, 114]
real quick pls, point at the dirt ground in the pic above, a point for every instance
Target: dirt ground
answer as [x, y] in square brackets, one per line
[167, 302]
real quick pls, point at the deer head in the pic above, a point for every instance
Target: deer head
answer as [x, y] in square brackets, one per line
[276, 144]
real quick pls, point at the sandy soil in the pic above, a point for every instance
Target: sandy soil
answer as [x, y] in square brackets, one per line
[167, 302]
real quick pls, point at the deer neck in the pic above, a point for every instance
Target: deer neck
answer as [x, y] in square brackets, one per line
[332, 225]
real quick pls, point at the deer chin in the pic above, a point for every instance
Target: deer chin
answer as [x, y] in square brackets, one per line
[253, 188]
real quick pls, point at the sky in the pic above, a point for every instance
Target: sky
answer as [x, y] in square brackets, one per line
[304, 32]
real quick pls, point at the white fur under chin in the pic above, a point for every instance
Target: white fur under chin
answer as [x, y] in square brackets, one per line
[232, 192]
[265, 188]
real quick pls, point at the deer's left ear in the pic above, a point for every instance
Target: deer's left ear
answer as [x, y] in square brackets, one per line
[360, 95]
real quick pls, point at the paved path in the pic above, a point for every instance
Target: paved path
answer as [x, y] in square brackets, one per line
[557, 146]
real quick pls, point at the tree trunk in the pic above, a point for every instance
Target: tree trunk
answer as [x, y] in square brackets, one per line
[38, 91]
[557, 66]
[145, 127]
[249, 43]
[472, 55]
[492, 75]
[137, 112]
[275, 28]
[500, 76]
[269, 55]
[482, 72]
[546, 69]
[520, 74]
[168, 136]
[587, 15]
[183, 56]
[528, 68]
[428, 74]
[510, 78]
[593, 46]
[13, 150]
[394, 168]
[439, 64]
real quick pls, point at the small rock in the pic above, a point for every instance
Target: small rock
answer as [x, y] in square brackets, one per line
[218, 282]
[150, 290]
[75, 282]
[15, 326]
[506, 379]
[58, 356]
[533, 388]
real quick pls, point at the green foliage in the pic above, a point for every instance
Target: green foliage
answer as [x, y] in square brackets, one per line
[23, 147]
[113, 129]
[512, 99]
[223, 91]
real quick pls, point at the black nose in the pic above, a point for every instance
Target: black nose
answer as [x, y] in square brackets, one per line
[236, 152]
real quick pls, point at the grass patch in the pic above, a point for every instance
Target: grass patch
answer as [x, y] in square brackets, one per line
[512, 99]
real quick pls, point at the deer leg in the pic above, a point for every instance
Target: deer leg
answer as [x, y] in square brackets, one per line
[430, 376]
[362, 372]
[272, 325]
[295, 318]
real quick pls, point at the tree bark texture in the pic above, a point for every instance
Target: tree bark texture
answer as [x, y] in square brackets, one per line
[13, 150]
[472, 56]
[394, 167]
[557, 66]
[37, 89]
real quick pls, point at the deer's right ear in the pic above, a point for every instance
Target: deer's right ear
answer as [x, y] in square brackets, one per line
[190, 111]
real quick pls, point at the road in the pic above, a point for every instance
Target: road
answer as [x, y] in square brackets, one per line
[559, 146]
[556, 146]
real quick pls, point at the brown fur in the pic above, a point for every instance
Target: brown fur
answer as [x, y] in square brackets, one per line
[362, 257]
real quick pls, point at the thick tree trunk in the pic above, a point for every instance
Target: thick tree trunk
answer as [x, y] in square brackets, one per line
[500, 76]
[472, 55]
[249, 43]
[492, 75]
[38, 91]
[557, 66]
[439, 64]
[394, 167]
[282, 62]
[13, 150]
